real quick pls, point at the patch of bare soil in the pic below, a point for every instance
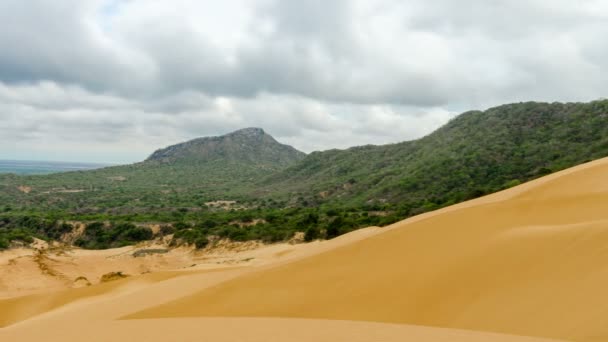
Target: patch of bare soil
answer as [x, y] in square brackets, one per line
[24, 189]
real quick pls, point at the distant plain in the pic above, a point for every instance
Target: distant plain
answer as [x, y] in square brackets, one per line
[31, 167]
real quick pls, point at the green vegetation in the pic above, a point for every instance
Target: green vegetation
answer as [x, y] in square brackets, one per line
[277, 191]
[474, 154]
[98, 235]
[196, 228]
[182, 176]
[24, 228]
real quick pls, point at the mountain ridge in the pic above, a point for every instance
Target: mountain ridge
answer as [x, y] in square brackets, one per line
[325, 193]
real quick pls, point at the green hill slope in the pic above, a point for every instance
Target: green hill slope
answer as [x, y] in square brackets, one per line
[187, 174]
[474, 154]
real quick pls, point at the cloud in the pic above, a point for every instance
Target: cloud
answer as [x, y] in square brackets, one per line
[129, 76]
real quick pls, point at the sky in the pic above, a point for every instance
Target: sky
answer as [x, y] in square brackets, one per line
[113, 80]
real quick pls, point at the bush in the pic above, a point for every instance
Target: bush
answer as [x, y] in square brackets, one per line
[312, 233]
[19, 235]
[332, 232]
[58, 229]
[181, 225]
[201, 242]
[188, 236]
[130, 232]
[94, 228]
[339, 226]
[512, 183]
[4, 243]
[98, 236]
[167, 229]
[332, 212]
[208, 223]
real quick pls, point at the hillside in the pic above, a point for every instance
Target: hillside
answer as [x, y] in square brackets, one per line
[183, 175]
[476, 153]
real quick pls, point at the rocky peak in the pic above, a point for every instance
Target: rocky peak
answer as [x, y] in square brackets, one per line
[248, 145]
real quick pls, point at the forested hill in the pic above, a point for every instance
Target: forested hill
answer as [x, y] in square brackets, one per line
[183, 175]
[476, 153]
[247, 186]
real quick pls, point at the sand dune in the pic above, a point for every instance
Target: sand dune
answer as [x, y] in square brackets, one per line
[255, 330]
[96, 319]
[529, 261]
[31, 291]
[30, 271]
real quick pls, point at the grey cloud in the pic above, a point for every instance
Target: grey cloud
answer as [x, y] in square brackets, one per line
[408, 53]
[51, 95]
[134, 131]
[318, 74]
[63, 41]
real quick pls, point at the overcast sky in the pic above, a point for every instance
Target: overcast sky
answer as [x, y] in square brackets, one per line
[112, 80]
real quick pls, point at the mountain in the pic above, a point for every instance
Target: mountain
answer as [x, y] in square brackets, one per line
[249, 145]
[476, 153]
[183, 175]
[324, 194]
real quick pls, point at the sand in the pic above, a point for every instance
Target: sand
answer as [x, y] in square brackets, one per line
[528, 261]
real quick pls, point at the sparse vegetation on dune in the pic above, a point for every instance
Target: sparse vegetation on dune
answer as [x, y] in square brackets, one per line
[112, 276]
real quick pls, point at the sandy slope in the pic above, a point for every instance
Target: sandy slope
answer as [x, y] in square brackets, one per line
[34, 283]
[531, 261]
[97, 319]
[38, 269]
[30, 271]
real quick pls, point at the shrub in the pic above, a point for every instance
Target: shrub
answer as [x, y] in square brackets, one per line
[201, 242]
[150, 251]
[112, 276]
[19, 235]
[312, 233]
[333, 229]
[138, 234]
[4, 243]
[512, 183]
[332, 212]
[189, 236]
[208, 223]
[181, 225]
[167, 229]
